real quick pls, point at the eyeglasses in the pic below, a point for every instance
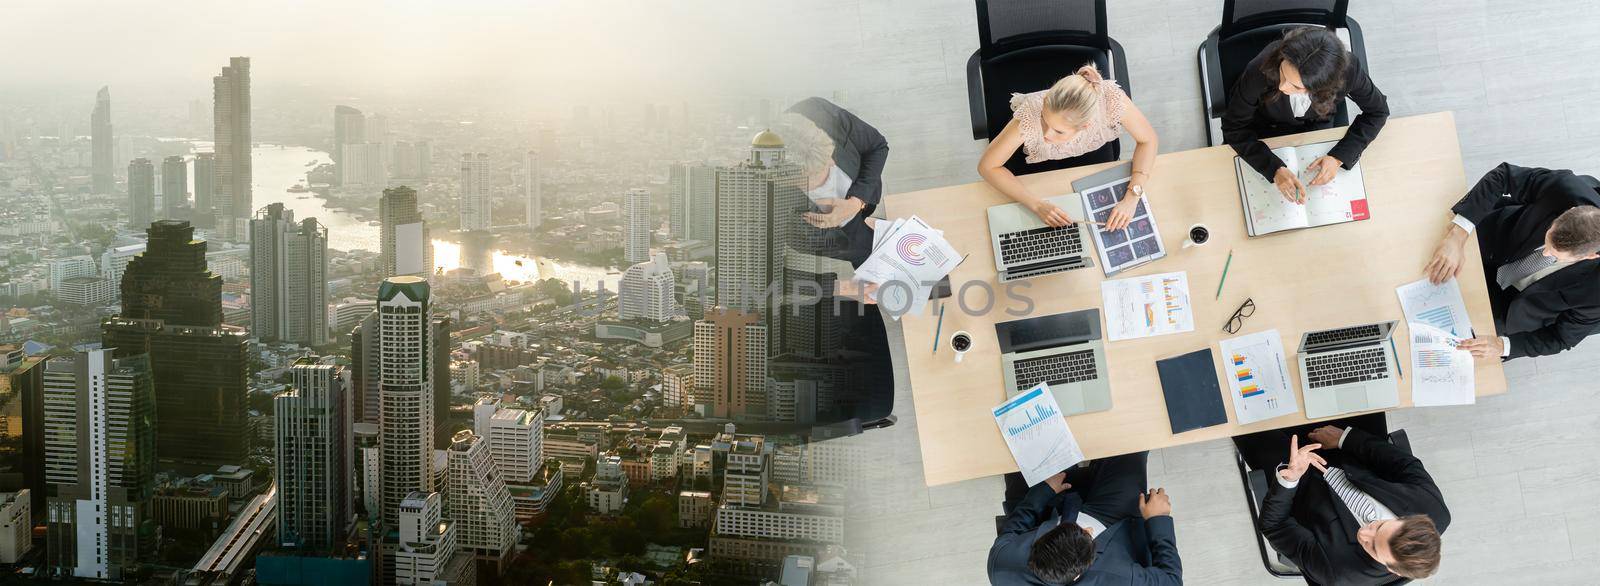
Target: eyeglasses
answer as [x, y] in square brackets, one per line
[1237, 321]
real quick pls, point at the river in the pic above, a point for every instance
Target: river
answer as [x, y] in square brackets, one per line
[277, 168]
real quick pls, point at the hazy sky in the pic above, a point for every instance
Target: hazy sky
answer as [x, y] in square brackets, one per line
[562, 51]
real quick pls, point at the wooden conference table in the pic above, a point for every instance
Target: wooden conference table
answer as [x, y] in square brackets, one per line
[1303, 280]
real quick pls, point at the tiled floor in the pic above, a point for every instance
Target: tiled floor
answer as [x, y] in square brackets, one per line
[1519, 471]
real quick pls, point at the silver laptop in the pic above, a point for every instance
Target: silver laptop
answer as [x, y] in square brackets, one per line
[1349, 369]
[1024, 246]
[1063, 350]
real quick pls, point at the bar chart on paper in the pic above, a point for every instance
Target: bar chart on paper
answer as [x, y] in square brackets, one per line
[1258, 377]
[1439, 306]
[1037, 434]
[1146, 306]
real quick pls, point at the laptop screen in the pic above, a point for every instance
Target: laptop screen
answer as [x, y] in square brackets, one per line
[1048, 330]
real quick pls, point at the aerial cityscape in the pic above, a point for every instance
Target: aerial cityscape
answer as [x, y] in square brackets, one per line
[279, 335]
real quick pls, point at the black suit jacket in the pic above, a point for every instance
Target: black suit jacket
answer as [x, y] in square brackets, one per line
[1249, 118]
[1310, 526]
[1512, 208]
[861, 152]
[1133, 551]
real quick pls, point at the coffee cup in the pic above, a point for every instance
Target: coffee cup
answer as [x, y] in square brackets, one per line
[961, 342]
[1198, 235]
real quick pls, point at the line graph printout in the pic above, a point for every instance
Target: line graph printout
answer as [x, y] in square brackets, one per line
[1258, 377]
[1439, 306]
[1152, 305]
[1441, 374]
[1037, 434]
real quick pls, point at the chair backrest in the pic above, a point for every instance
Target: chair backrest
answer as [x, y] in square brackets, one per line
[1007, 24]
[1244, 15]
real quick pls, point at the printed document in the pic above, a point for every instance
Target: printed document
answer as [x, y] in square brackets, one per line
[1440, 373]
[1152, 305]
[1258, 377]
[1037, 434]
[908, 258]
[1439, 306]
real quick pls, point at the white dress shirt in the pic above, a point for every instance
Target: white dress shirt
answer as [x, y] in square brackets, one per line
[1361, 505]
[1505, 342]
[1300, 103]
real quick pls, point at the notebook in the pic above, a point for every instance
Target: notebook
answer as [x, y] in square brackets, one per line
[1194, 399]
[1129, 247]
[1344, 199]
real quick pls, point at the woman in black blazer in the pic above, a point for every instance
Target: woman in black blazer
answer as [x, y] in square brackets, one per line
[1296, 85]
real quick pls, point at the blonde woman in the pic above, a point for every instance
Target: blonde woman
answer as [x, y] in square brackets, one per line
[1079, 114]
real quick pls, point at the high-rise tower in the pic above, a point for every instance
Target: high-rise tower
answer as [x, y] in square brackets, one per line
[288, 278]
[406, 391]
[636, 221]
[231, 115]
[476, 213]
[101, 142]
[141, 193]
[312, 424]
[174, 188]
[405, 247]
[205, 181]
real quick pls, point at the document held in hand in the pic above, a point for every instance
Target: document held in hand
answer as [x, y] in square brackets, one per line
[1037, 434]
[908, 258]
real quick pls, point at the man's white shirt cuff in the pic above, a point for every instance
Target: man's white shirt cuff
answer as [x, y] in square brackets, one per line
[1464, 223]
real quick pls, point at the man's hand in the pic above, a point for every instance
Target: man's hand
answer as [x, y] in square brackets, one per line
[1122, 214]
[1058, 482]
[1155, 503]
[1483, 347]
[1300, 459]
[1052, 215]
[1326, 435]
[1291, 187]
[841, 212]
[1325, 167]
[1446, 263]
[862, 291]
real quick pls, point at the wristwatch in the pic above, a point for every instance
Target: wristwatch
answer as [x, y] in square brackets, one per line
[1138, 190]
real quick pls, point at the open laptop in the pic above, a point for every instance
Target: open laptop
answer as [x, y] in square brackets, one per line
[1348, 369]
[1064, 350]
[1024, 246]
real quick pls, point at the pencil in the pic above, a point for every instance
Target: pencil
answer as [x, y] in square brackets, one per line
[1396, 352]
[1224, 278]
[937, 329]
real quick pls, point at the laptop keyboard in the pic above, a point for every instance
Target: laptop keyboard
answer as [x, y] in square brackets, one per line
[1060, 369]
[1046, 242]
[1341, 335]
[1326, 370]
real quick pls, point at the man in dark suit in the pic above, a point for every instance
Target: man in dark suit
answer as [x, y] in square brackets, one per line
[843, 175]
[1539, 235]
[1113, 531]
[1369, 515]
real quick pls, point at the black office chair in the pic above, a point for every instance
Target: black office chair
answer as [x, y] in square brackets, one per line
[1027, 45]
[1255, 492]
[1248, 26]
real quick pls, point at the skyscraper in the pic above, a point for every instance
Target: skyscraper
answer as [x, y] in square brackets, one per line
[636, 224]
[101, 142]
[141, 193]
[366, 368]
[288, 278]
[22, 425]
[406, 248]
[311, 466]
[411, 160]
[480, 505]
[100, 465]
[174, 188]
[349, 127]
[692, 191]
[476, 213]
[205, 181]
[172, 311]
[231, 116]
[756, 220]
[646, 291]
[730, 364]
[439, 336]
[532, 191]
[406, 391]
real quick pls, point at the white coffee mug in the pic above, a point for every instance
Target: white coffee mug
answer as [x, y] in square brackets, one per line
[1190, 238]
[961, 342]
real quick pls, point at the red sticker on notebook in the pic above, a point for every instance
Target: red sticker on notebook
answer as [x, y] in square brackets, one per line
[1358, 209]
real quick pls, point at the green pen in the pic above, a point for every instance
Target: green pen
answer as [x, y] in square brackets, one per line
[1224, 278]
